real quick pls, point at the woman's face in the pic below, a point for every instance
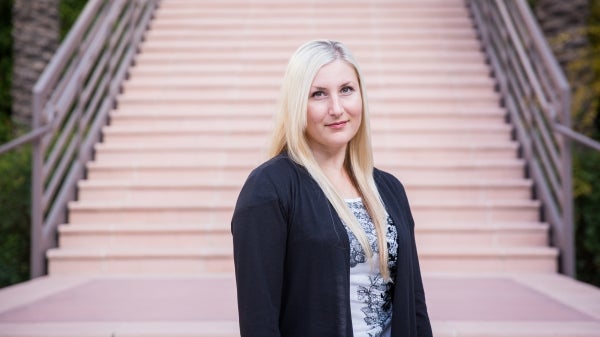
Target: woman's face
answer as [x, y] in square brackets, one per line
[334, 108]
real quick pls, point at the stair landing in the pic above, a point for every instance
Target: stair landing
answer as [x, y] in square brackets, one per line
[494, 305]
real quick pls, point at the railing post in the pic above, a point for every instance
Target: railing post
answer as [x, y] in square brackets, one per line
[37, 258]
[568, 257]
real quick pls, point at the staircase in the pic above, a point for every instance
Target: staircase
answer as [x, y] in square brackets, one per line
[147, 249]
[195, 117]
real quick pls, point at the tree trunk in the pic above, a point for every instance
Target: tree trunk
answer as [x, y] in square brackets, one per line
[35, 39]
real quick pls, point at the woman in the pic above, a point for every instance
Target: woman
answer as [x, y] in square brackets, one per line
[323, 242]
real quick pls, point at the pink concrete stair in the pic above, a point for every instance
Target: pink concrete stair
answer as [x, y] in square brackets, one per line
[195, 116]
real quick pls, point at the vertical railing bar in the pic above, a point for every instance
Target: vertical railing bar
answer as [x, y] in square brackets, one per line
[568, 251]
[37, 258]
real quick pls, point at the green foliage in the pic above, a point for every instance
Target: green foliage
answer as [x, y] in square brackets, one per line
[586, 166]
[69, 11]
[15, 185]
[587, 218]
[586, 163]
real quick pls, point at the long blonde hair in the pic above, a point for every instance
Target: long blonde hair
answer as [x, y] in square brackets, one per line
[289, 136]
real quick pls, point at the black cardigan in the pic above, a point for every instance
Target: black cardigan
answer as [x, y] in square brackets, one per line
[292, 257]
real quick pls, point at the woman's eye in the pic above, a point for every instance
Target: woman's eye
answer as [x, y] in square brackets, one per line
[317, 94]
[347, 90]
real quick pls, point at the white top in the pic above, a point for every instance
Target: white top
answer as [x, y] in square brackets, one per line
[370, 295]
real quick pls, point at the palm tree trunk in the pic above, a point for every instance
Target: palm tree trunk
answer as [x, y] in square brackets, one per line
[35, 39]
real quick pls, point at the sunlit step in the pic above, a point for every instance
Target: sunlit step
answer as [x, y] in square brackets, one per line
[151, 261]
[257, 134]
[218, 152]
[185, 189]
[195, 65]
[190, 211]
[213, 260]
[486, 260]
[350, 34]
[377, 82]
[439, 115]
[440, 169]
[172, 235]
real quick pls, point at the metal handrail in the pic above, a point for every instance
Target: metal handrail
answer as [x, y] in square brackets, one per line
[537, 97]
[71, 102]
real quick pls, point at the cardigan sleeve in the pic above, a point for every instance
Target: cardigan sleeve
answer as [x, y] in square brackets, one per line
[259, 229]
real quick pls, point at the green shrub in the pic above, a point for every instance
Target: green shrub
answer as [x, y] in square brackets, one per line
[586, 165]
[587, 217]
[69, 11]
[15, 186]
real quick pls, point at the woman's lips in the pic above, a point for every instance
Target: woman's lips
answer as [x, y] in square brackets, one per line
[337, 125]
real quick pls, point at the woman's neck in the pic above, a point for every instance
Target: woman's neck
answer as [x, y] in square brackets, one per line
[333, 166]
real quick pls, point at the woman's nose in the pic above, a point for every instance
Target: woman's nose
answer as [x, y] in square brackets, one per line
[336, 108]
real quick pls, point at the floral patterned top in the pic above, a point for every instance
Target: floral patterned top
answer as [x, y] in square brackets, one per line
[370, 295]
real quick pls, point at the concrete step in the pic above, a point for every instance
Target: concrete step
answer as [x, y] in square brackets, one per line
[90, 236]
[532, 234]
[185, 189]
[145, 236]
[425, 62]
[357, 11]
[487, 260]
[466, 190]
[200, 211]
[279, 49]
[172, 236]
[482, 211]
[151, 261]
[457, 169]
[331, 24]
[412, 64]
[165, 170]
[217, 152]
[350, 34]
[233, 94]
[257, 132]
[449, 170]
[232, 154]
[139, 83]
[205, 261]
[333, 4]
[381, 114]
